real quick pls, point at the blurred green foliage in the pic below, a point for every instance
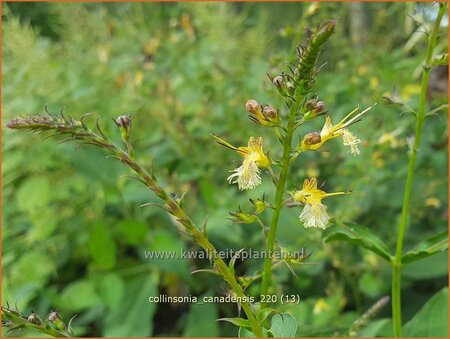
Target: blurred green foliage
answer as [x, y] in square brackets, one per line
[74, 235]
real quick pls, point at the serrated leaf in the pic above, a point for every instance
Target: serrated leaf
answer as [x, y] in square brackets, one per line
[284, 325]
[358, 235]
[432, 318]
[427, 248]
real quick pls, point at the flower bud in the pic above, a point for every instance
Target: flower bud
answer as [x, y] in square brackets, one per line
[324, 31]
[34, 319]
[290, 87]
[312, 138]
[123, 121]
[310, 104]
[7, 323]
[314, 108]
[56, 320]
[313, 8]
[124, 124]
[320, 107]
[260, 205]
[242, 218]
[270, 113]
[278, 81]
[266, 117]
[253, 106]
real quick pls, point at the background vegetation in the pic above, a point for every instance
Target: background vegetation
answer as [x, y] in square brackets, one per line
[73, 234]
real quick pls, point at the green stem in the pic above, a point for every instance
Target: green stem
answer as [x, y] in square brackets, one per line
[397, 260]
[199, 237]
[267, 271]
[20, 322]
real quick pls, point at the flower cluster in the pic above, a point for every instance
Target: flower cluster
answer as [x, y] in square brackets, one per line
[248, 174]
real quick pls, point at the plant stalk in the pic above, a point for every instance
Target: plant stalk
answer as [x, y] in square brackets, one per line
[397, 260]
[270, 243]
[199, 237]
[79, 131]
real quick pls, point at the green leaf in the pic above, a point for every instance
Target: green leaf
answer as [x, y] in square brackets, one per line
[33, 267]
[432, 319]
[372, 285]
[208, 192]
[79, 295]
[284, 325]
[34, 194]
[358, 235]
[102, 246]
[374, 328]
[201, 320]
[112, 289]
[264, 313]
[132, 232]
[426, 248]
[134, 316]
[237, 321]
[428, 268]
[164, 241]
[245, 333]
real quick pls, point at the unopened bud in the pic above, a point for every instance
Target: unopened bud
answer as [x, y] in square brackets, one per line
[314, 108]
[310, 104]
[290, 87]
[242, 218]
[260, 205]
[270, 113]
[34, 319]
[278, 81]
[313, 8]
[320, 107]
[312, 138]
[124, 121]
[124, 124]
[325, 30]
[56, 320]
[253, 106]
[7, 323]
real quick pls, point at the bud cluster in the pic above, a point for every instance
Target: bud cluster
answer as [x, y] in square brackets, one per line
[313, 108]
[264, 115]
[52, 324]
[240, 217]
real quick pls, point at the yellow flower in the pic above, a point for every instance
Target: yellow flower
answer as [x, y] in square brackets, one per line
[315, 140]
[320, 306]
[247, 176]
[314, 213]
